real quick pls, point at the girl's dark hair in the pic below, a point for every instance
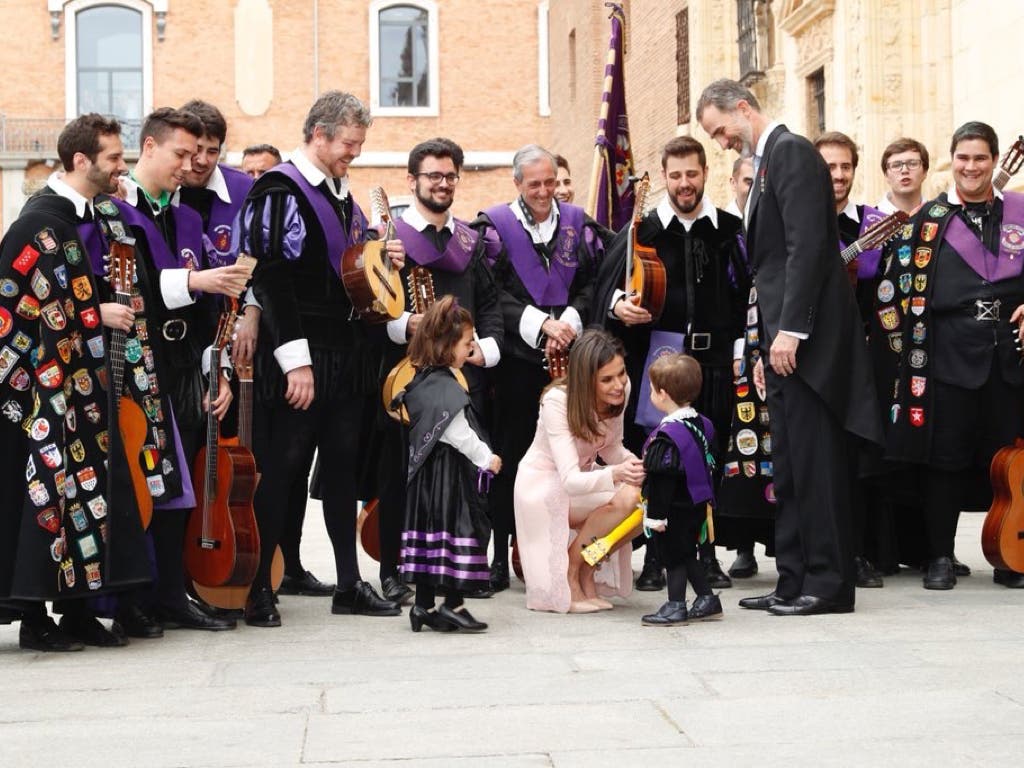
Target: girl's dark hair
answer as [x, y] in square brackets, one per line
[438, 333]
[593, 350]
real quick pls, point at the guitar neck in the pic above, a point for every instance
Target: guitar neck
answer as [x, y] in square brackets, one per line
[117, 344]
[245, 413]
[1002, 177]
[212, 430]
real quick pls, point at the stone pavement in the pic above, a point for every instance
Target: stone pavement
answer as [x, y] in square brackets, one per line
[912, 678]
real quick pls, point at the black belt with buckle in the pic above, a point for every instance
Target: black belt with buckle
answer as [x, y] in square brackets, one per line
[986, 311]
[174, 330]
[698, 342]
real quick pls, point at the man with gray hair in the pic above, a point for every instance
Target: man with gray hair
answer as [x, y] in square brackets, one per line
[544, 255]
[315, 368]
[818, 379]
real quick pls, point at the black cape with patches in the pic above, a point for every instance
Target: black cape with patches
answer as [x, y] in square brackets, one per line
[69, 528]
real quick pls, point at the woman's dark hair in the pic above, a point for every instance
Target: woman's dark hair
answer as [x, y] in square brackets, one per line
[438, 333]
[593, 350]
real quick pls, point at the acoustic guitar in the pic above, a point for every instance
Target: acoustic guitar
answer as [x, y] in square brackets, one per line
[645, 272]
[874, 236]
[222, 542]
[372, 282]
[131, 421]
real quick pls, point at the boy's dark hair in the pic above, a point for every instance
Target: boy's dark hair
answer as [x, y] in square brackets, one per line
[976, 130]
[683, 146]
[679, 376]
[83, 135]
[160, 123]
[902, 145]
[213, 121]
[438, 333]
[840, 140]
[259, 149]
[439, 147]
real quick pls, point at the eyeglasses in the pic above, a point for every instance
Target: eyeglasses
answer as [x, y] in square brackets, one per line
[434, 177]
[899, 165]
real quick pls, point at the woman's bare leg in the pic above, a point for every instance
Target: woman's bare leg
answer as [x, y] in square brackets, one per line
[598, 523]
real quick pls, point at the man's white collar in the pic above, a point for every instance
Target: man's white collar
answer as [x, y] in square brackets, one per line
[954, 197]
[219, 185]
[57, 184]
[314, 175]
[707, 210]
[414, 219]
[850, 211]
[131, 193]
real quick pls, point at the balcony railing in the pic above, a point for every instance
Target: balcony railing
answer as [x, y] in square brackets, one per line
[37, 136]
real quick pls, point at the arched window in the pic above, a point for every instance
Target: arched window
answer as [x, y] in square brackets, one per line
[403, 58]
[109, 61]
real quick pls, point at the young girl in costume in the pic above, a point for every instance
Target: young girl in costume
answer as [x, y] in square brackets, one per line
[678, 489]
[444, 543]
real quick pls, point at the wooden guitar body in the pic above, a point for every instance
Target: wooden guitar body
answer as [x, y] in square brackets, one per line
[372, 283]
[1002, 535]
[227, 552]
[132, 424]
[648, 280]
[368, 528]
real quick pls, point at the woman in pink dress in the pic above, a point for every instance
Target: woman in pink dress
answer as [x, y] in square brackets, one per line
[562, 494]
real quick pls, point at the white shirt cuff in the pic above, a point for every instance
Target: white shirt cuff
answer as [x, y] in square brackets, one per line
[174, 288]
[616, 298]
[490, 350]
[737, 349]
[294, 354]
[572, 317]
[795, 335]
[530, 323]
[250, 299]
[225, 360]
[397, 329]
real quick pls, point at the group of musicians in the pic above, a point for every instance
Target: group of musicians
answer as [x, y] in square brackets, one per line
[82, 343]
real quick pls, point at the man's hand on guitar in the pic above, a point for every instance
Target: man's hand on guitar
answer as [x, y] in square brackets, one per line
[247, 331]
[299, 393]
[629, 311]
[562, 334]
[223, 401]
[227, 281]
[396, 252]
[116, 316]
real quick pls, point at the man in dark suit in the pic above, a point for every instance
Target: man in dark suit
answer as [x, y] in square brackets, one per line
[818, 378]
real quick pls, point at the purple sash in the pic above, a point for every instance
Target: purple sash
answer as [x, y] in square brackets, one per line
[95, 244]
[337, 239]
[547, 287]
[1009, 261]
[188, 236]
[223, 215]
[691, 457]
[420, 248]
[187, 500]
[867, 261]
[662, 343]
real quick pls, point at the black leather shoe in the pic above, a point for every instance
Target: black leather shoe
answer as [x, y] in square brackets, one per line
[706, 608]
[190, 616]
[500, 579]
[651, 578]
[715, 575]
[671, 613]
[420, 617]
[940, 574]
[41, 634]
[1010, 579]
[395, 591]
[362, 599]
[868, 576]
[744, 566]
[809, 605]
[305, 584]
[260, 610]
[763, 602]
[960, 569]
[461, 619]
[482, 593]
[132, 621]
[88, 631]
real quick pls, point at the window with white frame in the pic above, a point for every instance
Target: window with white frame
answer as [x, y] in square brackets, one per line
[404, 58]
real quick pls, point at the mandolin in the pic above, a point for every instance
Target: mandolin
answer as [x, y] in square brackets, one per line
[645, 272]
[222, 542]
[131, 421]
[372, 282]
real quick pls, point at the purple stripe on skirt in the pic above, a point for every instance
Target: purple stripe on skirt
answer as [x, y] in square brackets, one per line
[444, 570]
[441, 552]
[458, 541]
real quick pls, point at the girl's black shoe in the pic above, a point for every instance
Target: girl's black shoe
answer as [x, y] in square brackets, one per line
[461, 619]
[419, 616]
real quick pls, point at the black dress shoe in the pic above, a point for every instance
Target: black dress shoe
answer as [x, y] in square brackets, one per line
[395, 591]
[191, 616]
[500, 579]
[940, 574]
[763, 602]
[868, 576]
[420, 617]
[960, 569]
[1010, 579]
[483, 593]
[715, 575]
[87, 630]
[706, 608]
[461, 619]
[41, 634]
[305, 584]
[651, 578]
[363, 600]
[744, 566]
[671, 613]
[260, 610]
[132, 621]
[809, 605]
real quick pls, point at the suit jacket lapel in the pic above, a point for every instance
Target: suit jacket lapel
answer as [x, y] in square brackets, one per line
[759, 181]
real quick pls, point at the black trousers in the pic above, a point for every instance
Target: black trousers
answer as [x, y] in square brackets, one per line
[283, 439]
[813, 540]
